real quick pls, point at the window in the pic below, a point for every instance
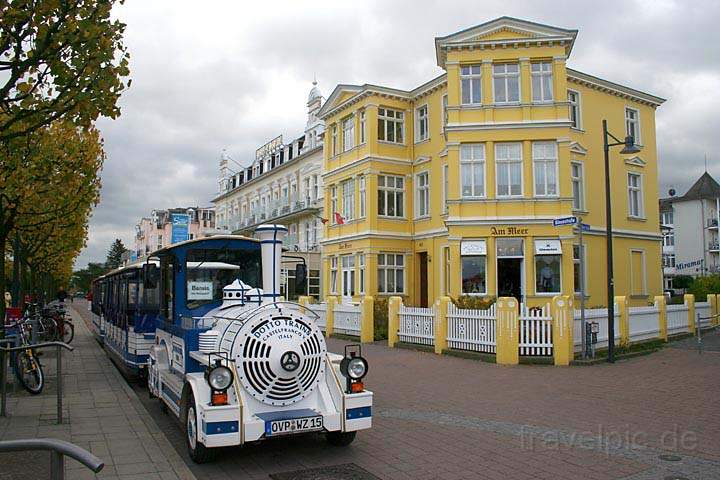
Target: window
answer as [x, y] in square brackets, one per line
[542, 79]
[362, 126]
[347, 265]
[446, 271]
[422, 184]
[316, 187]
[668, 239]
[574, 100]
[391, 126]
[473, 274]
[576, 176]
[668, 260]
[446, 187]
[348, 200]
[472, 170]
[506, 83]
[547, 273]
[391, 271]
[361, 265]
[333, 202]
[545, 168]
[333, 130]
[666, 218]
[333, 274]
[209, 270]
[508, 166]
[470, 85]
[444, 112]
[159, 242]
[637, 273]
[348, 127]
[421, 123]
[361, 181]
[578, 277]
[390, 196]
[635, 203]
[632, 124]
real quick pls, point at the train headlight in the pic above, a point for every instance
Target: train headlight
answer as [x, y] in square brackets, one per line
[356, 368]
[219, 377]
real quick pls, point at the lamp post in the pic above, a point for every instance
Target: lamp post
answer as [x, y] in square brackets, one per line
[628, 148]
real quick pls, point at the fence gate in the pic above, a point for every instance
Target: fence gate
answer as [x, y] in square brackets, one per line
[471, 329]
[535, 331]
[417, 325]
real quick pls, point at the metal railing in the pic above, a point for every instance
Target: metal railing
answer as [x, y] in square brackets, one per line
[58, 450]
[698, 328]
[4, 351]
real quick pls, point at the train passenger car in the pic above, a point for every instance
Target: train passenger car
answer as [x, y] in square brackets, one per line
[124, 316]
[234, 362]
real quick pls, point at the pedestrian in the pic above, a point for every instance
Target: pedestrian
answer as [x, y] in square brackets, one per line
[61, 295]
[8, 299]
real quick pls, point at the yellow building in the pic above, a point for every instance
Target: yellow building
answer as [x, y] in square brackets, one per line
[451, 188]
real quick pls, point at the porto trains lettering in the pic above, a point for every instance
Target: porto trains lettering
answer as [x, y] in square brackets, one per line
[231, 360]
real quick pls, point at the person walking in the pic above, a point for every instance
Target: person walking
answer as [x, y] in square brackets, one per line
[61, 295]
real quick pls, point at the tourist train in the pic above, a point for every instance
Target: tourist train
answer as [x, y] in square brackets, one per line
[233, 361]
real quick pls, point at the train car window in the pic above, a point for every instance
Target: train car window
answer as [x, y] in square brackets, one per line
[167, 280]
[208, 271]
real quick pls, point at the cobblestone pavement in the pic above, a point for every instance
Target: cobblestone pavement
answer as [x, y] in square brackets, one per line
[440, 417]
[102, 414]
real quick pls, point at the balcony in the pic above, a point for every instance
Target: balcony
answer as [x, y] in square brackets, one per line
[714, 247]
[712, 223]
[279, 208]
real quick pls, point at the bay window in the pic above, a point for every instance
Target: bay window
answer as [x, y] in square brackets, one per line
[391, 195]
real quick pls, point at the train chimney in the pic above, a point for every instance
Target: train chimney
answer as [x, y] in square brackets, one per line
[271, 239]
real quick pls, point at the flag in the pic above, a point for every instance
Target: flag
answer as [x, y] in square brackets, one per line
[323, 220]
[339, 219]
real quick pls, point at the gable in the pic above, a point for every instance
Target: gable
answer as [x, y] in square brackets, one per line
[637, 161]
[504, 31]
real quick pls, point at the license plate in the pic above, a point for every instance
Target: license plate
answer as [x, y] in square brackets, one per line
[293, 425]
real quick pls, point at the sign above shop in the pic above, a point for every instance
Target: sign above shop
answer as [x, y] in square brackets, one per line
[548, 247]
[473, 247]
[508, 231]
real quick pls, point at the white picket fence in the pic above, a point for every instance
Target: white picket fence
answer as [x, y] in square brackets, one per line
[472, 330]
[347, 319]
[535, 331]
[643, 323]
[600, 316]
[703, 309]
[417, 325]
[677, 319]
[321, 310]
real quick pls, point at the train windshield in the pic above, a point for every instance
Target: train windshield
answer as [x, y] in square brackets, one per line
[210, 270]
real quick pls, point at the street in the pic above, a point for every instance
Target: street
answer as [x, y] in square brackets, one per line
[450, 418]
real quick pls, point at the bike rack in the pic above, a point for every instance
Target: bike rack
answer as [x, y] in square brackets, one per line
[58, 450]
[37, 346]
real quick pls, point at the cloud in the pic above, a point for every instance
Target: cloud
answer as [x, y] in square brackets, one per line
[233, 75]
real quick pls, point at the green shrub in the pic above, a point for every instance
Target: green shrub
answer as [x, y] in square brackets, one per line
[472, 302]
[380, 318]
[701, 286]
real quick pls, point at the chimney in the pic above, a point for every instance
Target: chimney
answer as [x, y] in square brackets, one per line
[271, 239]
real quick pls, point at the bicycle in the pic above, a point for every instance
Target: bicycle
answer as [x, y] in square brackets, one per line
[26, 364]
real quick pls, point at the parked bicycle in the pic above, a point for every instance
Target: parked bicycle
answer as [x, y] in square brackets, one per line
[26, 363]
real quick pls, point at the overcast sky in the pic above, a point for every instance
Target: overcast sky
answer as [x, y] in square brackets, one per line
[224, 74]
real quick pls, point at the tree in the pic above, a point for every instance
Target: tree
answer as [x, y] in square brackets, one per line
[114, 256]
[81, 279]
[59, 59]
[49, 182]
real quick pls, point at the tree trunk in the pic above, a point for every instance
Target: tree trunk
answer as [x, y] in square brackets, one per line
[17, 268]
[3, 240]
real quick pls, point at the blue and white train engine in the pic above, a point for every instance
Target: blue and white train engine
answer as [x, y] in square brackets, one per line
[238, 365]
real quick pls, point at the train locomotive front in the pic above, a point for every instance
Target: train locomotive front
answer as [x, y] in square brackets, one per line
[256, 367]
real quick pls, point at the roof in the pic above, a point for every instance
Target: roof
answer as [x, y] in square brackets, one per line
[705, 188]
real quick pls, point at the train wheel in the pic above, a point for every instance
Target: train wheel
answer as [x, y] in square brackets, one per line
[340, 439]
[198, 452]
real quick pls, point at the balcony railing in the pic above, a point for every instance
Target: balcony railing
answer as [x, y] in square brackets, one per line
[276, 208]
[714, 247]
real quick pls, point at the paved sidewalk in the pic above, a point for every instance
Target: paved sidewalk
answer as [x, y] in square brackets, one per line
[102, 414]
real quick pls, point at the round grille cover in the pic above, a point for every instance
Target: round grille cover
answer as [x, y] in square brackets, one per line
[280, 356]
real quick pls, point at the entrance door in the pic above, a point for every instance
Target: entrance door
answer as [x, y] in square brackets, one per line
[509, 277]
[422, 260]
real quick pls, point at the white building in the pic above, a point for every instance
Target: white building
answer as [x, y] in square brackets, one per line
[282, 184]
[690, 231]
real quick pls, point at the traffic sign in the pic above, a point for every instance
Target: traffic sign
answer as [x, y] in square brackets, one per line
[559, 222]
[584, 226]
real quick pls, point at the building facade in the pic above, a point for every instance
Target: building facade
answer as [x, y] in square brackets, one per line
[282, 185]
[451, 188]
[156, 231]
[685, 252]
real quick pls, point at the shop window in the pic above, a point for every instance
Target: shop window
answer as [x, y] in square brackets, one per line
[473, 257]
[548, 265]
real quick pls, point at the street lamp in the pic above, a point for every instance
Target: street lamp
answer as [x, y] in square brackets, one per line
[628, 148]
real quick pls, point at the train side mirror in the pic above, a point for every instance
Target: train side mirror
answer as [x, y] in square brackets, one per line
[300, 278]
[150, 275]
